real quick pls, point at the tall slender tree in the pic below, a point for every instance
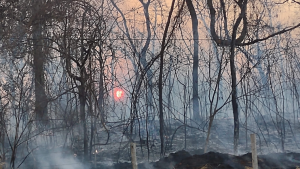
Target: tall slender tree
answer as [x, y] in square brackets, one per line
[39, 58]
[196, 109]
[232, 41]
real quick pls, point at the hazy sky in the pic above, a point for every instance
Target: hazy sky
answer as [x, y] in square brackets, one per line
[288, 13]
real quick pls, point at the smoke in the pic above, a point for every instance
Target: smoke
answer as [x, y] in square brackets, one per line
[59, 158]
[50, 151]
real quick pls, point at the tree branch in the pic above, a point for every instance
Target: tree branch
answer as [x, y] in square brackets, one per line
[270, 36]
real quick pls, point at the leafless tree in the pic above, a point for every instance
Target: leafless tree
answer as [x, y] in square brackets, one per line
[232, 41]
[196, 112]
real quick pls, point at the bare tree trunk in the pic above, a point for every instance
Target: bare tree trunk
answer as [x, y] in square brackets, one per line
[233, 77]
[101, 88]
[82, 101]
[232, 43]
[211, 119]
[196, 112]
[161, 113]
[15, 146]
[38, 64]
[234, 99]
[160, 80]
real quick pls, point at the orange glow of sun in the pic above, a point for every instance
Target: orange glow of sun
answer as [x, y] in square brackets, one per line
[118, 94]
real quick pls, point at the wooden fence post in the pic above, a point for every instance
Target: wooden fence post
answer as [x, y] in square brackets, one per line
[133, 156]
[254, 153]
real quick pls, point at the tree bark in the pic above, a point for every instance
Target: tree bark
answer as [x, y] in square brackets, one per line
[160, 80]
[196, 112]
[233, 76]
[82, 101]
[211, 118]
[234, 100]
[232, 44]
[39, 59]
[161, 113]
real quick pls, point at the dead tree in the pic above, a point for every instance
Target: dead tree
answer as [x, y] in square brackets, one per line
[232, 41]
[196, 112]
[39, 59]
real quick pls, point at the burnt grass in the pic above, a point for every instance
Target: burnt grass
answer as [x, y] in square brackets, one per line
[212, 160]
[192, 157]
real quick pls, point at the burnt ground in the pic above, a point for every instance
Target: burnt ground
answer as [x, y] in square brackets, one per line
[214, 160]
[193, 158]
[115, 154]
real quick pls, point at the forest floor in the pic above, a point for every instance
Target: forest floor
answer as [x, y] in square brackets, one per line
[212, 160]
[184, 150]
[187, 153]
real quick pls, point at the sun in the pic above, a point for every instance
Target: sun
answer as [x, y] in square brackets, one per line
[118, 93]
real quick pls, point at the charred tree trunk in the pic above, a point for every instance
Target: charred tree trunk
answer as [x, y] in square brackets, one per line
[160, 80]
[82, 101]
[211, 119]
[196, 112]
[232, 44]
[39, 59]
[14, 147]
[234, 99]
[101, 97]
[161, 113]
